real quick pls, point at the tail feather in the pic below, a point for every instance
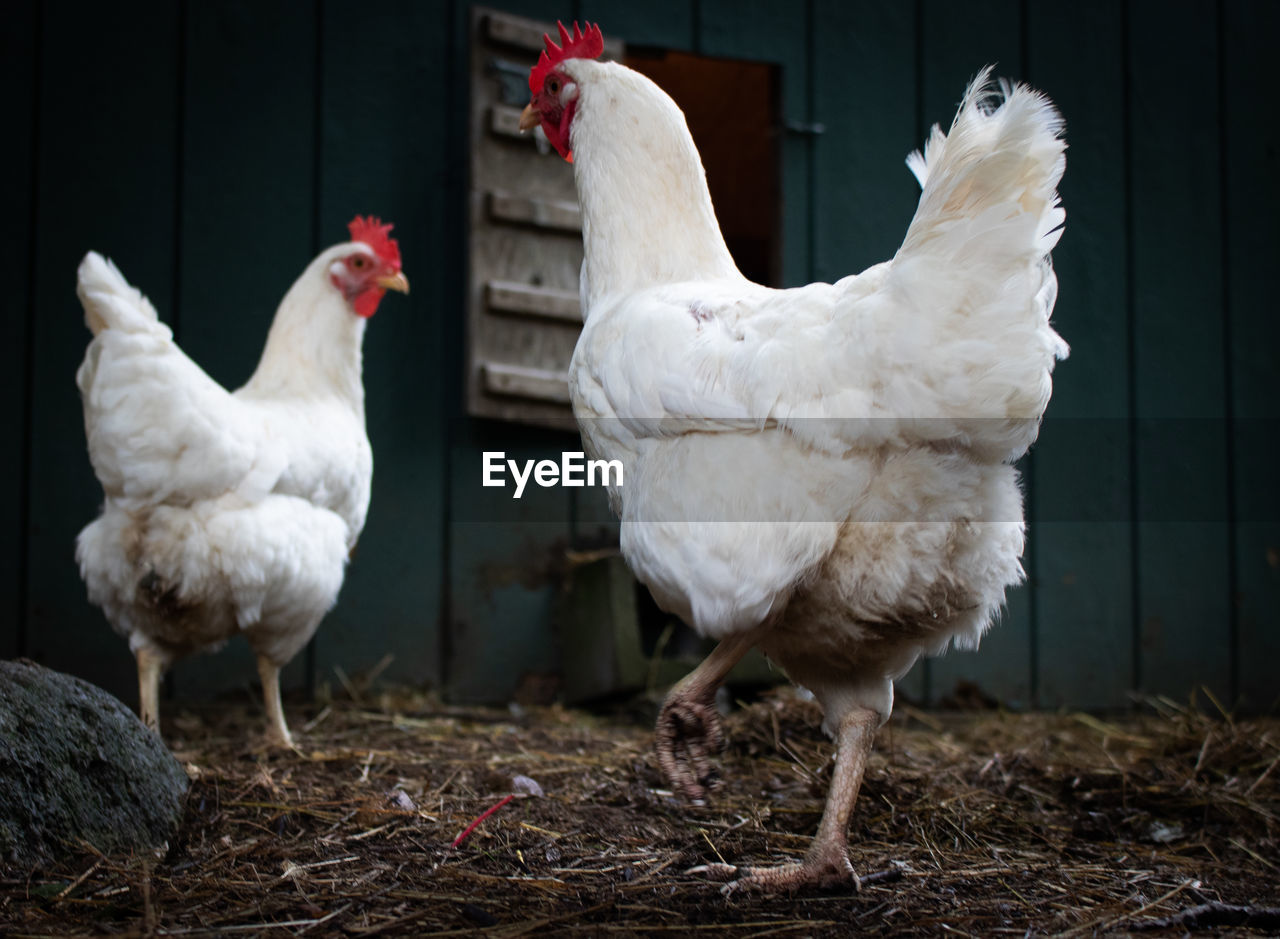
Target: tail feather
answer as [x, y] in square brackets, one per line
[975, 262]
[110, 302]
[1005, 146]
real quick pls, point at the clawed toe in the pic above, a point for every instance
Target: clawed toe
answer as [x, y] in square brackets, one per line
[822, 875]
[276, 742]
[688, 734]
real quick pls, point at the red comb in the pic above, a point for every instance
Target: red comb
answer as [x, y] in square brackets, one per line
[580, 45]
[372, 232]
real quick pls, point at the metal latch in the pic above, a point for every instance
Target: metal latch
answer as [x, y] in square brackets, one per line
[805, 129]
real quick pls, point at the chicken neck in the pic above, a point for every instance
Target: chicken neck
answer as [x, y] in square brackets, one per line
[647, 216]
[314, 345]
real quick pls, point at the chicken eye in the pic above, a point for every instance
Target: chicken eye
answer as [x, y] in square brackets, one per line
[359, 262]
[553, 85]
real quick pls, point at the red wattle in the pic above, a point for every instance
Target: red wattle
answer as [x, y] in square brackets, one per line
[366, 302]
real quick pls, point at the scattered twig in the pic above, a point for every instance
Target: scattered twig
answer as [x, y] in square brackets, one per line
[1215, 913]
[1099, 920]
[318, 719]
[347, 685]
[886, 876]
[1265, 773]
[79, 880]
[291, 870]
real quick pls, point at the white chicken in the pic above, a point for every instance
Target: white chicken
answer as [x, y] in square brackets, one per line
[822, 472]
[229, 513]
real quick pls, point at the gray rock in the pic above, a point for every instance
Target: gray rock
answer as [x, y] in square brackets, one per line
[76, 764]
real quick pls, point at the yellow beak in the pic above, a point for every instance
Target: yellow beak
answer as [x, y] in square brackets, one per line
[529, 118]
[396, 281]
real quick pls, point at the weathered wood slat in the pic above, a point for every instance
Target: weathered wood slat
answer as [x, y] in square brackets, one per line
[500, 629]
[521, 382]
[546, 302]
[504, 121]
[524, 226]
[527, 34]
[550, 214]
[514, 31]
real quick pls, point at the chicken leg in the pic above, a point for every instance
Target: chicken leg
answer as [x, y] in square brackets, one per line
[150, 667]
[826, 863]
[277, 730]
[688, 731]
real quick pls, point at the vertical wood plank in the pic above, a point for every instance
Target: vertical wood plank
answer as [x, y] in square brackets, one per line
[248, 140]
[247, 186]
[866, 195]
[1083, 551]
[501, 554]
[17, 165]
[956, 41]
[507, 561]
[1252, 174]
[385, 151]
[107, 180]
[547, 12]
[1179, 377]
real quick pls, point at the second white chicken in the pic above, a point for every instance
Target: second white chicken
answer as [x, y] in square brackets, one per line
[229, 513]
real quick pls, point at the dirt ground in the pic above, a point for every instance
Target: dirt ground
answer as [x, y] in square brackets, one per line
[982, 824]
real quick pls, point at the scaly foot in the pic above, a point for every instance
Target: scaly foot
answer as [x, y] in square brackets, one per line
[827, 862]
[278, 735]
[687, 736]
[822, 869]
[277, 738]
[688, 732]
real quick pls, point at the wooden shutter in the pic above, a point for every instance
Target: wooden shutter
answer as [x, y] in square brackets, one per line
[523, 315]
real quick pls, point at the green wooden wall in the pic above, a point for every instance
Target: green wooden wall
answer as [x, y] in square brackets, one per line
[213, 148]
